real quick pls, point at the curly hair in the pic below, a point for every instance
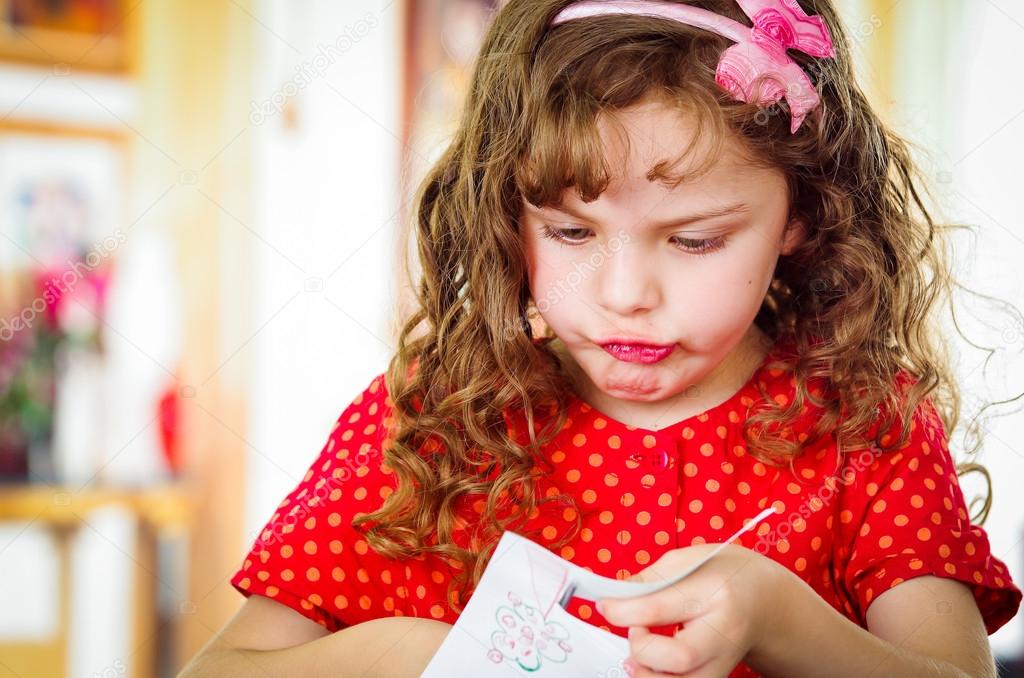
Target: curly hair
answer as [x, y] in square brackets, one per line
[860, 295]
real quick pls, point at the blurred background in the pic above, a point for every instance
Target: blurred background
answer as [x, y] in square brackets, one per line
[201, 207]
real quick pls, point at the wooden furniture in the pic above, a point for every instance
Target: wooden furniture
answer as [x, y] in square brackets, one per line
[63, 511]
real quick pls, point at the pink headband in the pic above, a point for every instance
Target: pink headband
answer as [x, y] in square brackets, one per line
[759, 51]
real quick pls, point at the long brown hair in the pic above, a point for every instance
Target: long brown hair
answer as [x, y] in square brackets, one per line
[860, 296]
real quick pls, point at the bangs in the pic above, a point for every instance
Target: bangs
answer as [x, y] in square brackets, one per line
[586, 72]
[566, 149]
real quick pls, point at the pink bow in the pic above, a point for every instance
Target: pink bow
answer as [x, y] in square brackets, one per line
[759, 52]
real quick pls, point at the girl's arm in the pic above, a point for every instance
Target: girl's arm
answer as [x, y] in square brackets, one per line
[925, 626]
[266, 638]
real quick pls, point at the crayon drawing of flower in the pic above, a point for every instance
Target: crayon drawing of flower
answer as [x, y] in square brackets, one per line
[525, 637]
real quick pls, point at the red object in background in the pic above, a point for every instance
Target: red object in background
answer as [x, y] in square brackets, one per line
[169, 408]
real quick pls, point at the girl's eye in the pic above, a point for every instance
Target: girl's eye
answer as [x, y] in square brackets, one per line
[704, 246]
[576, 236]
[568, 236]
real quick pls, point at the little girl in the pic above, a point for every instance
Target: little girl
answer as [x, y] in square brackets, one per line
[733, 279]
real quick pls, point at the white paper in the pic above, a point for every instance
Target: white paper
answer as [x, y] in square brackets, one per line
[515, 622]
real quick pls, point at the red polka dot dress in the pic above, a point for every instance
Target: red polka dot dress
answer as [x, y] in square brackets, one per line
[851, 528]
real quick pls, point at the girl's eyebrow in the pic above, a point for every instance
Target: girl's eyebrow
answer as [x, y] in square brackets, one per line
[702, 215]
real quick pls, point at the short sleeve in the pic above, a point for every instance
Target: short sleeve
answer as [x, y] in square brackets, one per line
[308, 556]
[901, 514]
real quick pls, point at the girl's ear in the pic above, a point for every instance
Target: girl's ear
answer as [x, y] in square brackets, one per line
[794, 235]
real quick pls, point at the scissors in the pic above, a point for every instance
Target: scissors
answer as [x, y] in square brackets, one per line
[591, 586]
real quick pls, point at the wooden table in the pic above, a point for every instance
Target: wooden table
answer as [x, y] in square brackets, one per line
[63, 510]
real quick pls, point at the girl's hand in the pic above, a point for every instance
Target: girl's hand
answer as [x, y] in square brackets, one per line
[727, 607]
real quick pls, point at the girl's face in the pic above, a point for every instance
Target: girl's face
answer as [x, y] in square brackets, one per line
[641, 263]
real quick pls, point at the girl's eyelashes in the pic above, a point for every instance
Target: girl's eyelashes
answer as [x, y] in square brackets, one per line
[698, 246]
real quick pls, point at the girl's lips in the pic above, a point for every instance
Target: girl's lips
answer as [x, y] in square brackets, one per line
[638, 353]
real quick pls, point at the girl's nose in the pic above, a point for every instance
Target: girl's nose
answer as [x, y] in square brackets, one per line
[627, 281]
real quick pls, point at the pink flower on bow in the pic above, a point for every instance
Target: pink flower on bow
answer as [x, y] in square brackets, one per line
[778, 25]
[757, 68]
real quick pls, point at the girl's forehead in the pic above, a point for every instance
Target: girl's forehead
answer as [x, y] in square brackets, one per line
[725, 179]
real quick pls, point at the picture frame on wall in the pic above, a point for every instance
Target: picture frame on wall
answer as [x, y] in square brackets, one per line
[95, 35]
[62, 223]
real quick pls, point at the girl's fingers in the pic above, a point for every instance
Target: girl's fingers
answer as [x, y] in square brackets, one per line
[678, 603]
[726, 652]
[672, 655]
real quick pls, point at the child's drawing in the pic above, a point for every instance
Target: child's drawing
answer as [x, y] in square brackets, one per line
[524, 636]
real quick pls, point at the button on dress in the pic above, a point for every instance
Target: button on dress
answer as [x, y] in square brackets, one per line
[851, 526]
